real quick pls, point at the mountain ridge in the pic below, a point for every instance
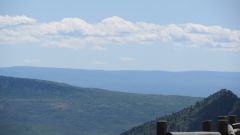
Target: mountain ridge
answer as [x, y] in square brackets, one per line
[190, 83]
[67, 68]
[224, 102]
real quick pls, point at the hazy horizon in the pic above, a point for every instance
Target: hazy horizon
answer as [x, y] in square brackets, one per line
[148, 70]
[188, 83]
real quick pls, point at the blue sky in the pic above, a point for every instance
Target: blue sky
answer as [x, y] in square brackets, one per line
[121, 35]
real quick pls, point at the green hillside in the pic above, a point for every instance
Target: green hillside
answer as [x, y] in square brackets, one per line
[36, 107]
[223, 102]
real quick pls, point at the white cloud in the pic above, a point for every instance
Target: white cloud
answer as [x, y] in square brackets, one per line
[31, 61]
[99, 63]
[77, 33]
[126, 59]
[99, 48]
[15, 20]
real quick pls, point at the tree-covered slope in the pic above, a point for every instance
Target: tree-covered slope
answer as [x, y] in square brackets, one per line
[37, 107]
[223, 102]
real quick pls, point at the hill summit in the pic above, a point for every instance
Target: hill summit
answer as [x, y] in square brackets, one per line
[223, 102]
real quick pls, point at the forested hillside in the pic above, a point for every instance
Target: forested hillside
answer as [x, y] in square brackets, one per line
[37, 107]
[223, 102]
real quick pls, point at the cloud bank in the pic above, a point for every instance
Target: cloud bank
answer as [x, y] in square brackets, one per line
[77, 33]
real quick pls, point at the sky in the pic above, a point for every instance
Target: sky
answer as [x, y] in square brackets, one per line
[169, 35]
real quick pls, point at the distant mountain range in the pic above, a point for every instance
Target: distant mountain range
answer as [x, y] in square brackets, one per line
[37, 107]
[221, 103]
[190, 83]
